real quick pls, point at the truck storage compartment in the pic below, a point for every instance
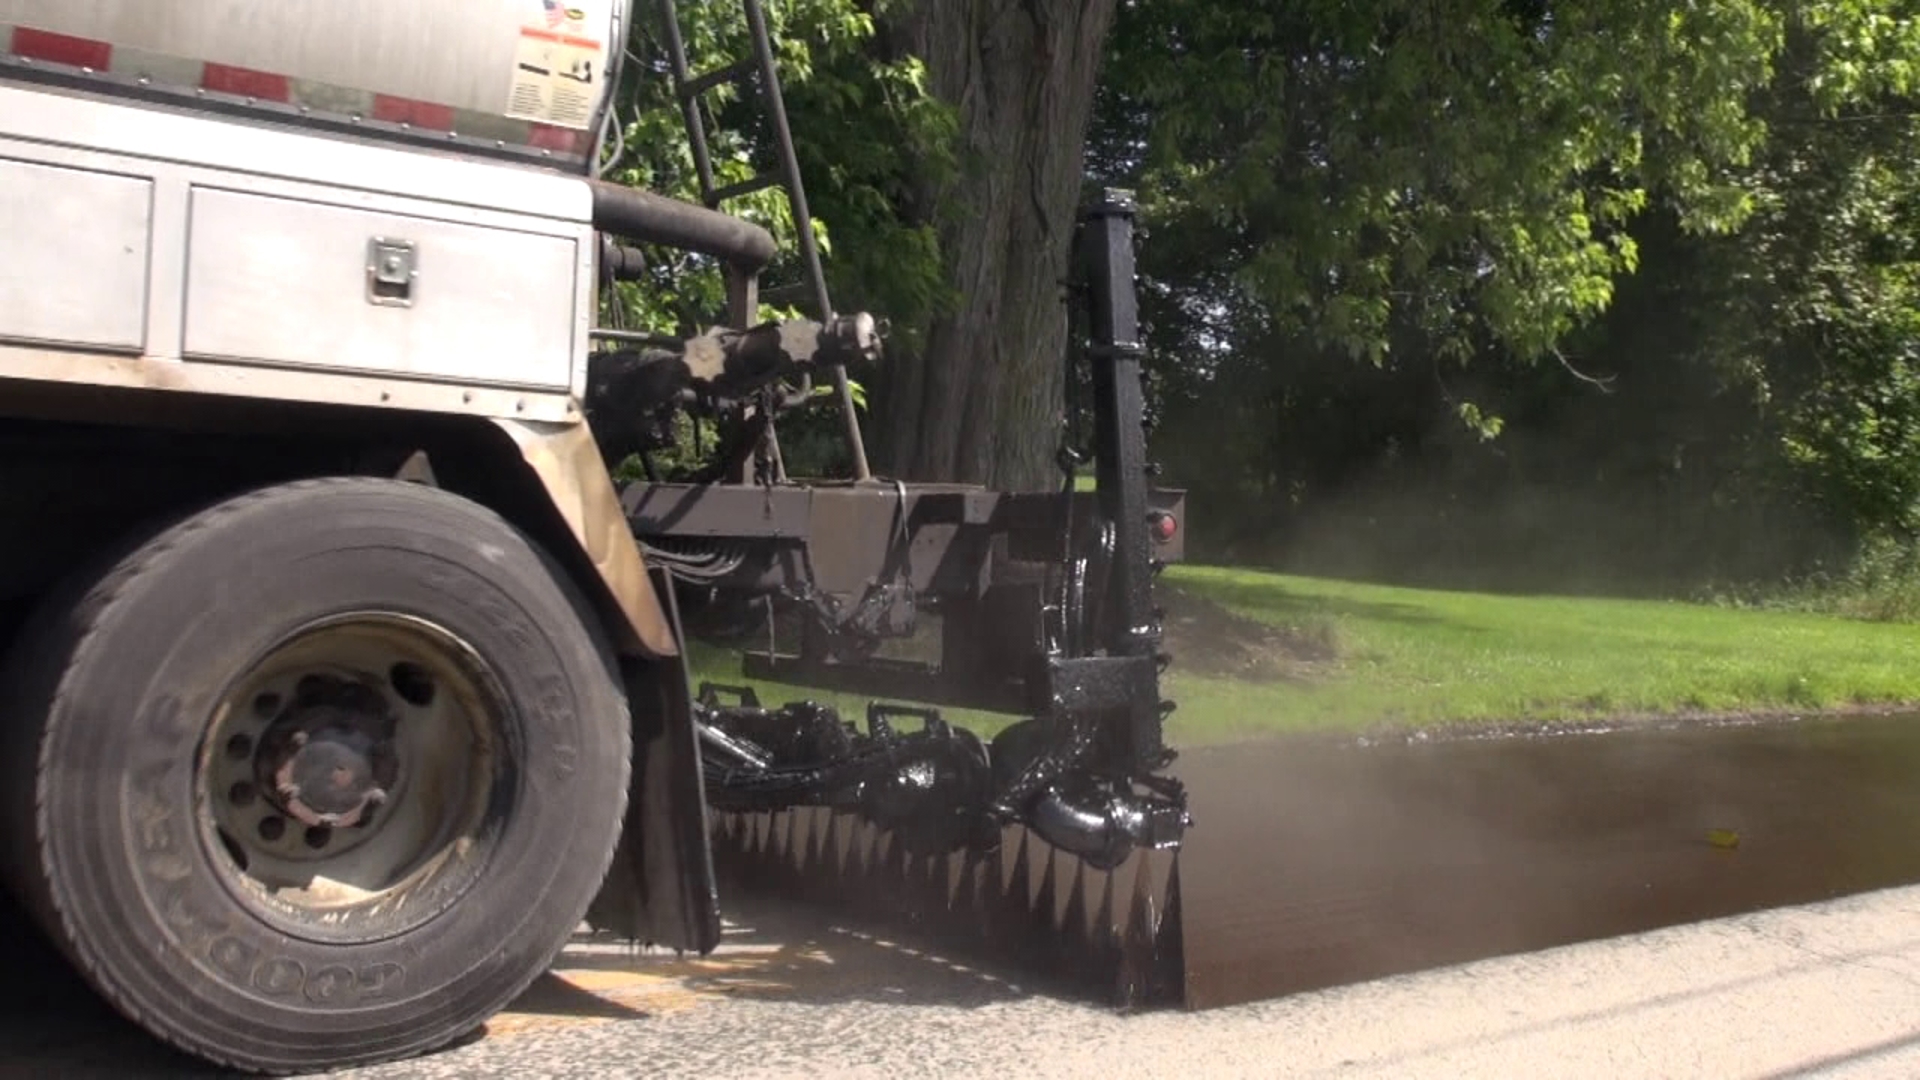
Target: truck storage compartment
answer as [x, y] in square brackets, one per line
[290, 282]
[85, 237]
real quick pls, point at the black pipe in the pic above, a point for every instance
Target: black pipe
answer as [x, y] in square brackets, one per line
[643, 216]
[1130, 623]
[1104, 827]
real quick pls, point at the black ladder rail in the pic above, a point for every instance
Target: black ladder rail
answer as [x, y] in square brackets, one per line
[743, 294]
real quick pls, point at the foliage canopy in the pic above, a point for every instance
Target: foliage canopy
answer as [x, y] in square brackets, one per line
[1658, 258]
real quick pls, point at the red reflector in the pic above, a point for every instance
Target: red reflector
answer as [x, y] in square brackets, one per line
[61, 49]
[558, 139]
[242, 82]
[1165, 525]
[393, 110]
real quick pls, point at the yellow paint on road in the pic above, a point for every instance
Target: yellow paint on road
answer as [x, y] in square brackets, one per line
[583, 990]
[568, 999]
[596, 982]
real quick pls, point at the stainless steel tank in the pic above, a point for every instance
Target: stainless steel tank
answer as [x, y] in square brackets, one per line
[533, 76]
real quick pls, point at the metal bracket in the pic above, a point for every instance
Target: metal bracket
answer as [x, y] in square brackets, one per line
[391, 270]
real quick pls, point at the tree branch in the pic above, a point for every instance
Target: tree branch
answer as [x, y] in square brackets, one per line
[1605, 384]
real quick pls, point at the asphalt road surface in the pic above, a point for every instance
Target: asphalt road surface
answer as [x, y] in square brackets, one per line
[1828, 990]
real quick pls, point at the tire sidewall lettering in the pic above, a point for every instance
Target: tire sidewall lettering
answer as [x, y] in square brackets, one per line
[233, 957]
[380, 979]
[331, 985]
[280, 976]
[549, 707]
[191, 925]
[165, 717]
[153, 825]
[145, 889]
[161, 829]
[159, 820]
[554, 712]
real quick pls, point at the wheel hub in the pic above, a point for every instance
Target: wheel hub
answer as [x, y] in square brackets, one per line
[328, 760]
[345, 765]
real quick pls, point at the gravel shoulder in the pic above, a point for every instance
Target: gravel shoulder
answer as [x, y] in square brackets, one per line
[1830, 989]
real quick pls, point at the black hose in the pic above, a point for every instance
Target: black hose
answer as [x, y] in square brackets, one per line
[643, 216]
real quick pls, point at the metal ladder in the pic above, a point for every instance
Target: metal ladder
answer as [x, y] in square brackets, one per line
[688, 89]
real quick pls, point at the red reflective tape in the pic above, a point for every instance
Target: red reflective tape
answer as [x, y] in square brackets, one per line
[420, 114]
[558, 38]
[242, 82]
[61, 49]
[559, 139]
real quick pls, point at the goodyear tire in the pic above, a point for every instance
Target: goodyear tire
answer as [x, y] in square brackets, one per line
[321, 776]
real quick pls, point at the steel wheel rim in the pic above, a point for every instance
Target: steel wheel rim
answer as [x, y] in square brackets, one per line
[351, 779]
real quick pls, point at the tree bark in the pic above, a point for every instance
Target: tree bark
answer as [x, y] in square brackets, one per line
[981, 402]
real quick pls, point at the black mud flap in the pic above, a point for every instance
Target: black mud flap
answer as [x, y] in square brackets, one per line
[660, 889]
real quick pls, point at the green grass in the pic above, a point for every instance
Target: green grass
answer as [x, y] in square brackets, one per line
[1881, 585]
[1414, 657]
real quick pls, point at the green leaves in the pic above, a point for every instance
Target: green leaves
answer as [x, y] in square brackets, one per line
[1471, 162]
[862, 120]
[1383, 233]
[866, 129]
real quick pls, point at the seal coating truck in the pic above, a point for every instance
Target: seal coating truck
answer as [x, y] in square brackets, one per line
[342, 680]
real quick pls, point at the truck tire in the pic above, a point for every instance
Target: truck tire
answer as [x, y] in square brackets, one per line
[321, 776]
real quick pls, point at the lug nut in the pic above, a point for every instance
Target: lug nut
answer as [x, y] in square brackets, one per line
[266, 706]
[239, 747]
[317, 837]
[241, 794]
[272, 829]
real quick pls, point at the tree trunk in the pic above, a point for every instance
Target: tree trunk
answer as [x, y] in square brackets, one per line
[980, 404]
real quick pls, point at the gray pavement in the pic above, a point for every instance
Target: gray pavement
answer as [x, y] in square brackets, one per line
[1828, 990]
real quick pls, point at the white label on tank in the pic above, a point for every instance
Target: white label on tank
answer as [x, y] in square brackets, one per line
[557, 69]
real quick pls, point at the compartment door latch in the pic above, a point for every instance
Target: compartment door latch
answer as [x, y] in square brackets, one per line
[392, 266]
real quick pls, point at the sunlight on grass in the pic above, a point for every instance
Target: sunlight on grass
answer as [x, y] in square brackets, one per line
[1411, 656]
